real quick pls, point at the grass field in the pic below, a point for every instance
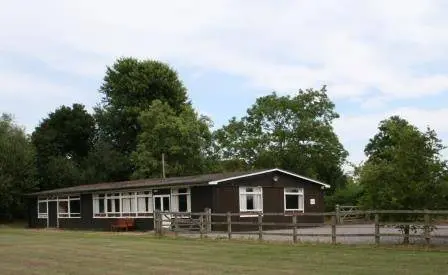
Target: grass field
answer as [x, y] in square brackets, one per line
[70, 252]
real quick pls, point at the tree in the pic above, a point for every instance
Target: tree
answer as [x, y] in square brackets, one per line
[129, 87]
[404, 170]
[62, 142]
[293, 133]
[183, 137]
[17, 168]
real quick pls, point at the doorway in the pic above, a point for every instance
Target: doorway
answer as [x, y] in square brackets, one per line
[162, 204]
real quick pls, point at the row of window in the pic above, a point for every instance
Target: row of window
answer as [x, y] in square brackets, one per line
[140, 204]
[143, 203]
[119, 204]
[251, 199]
[67, 207]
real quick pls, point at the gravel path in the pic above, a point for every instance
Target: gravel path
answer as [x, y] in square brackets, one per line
[341, 229]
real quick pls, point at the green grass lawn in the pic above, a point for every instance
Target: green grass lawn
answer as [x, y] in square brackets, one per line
[71, 252]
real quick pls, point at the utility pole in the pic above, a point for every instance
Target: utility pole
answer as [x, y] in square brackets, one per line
[163, 166]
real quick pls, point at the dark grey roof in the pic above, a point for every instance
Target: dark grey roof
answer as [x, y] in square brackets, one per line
[190, 180]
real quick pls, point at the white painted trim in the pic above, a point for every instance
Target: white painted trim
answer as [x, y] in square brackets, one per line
[269, 171]
[299, 194]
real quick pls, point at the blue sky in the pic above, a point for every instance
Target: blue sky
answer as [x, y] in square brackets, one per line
[378, 58]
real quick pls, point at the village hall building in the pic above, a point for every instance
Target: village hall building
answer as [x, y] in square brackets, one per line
[96, 206]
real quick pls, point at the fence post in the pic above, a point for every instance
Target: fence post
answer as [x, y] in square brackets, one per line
[333, 229]
[229, 225]
[427, 228]
[208, 220]
[176, 231]
[156, 222]
[260, 226]
[338, 214]
[377, 229]
[201, 225]
[294, 229]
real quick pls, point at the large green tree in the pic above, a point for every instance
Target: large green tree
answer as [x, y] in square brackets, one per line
[291, 132]
[404, 170]
[17, 168]
[129, 87]
[181, 135]
[63, 141]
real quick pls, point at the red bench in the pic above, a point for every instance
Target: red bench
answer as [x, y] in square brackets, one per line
[123, 223]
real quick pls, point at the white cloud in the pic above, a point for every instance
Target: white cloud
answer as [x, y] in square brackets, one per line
[351, 45]
[372, 51]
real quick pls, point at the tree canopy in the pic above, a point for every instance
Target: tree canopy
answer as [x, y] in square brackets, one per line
[291, 132]
[17, 168]
[404, 169]
[183, 137]
[129, 88]
[63, 140]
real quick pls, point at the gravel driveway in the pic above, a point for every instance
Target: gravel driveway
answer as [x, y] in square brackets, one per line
[438, 236]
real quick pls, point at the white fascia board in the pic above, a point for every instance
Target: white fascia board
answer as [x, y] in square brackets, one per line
[268, 171]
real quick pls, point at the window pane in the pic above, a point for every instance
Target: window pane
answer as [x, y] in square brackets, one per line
[250, 205]
[157, 203]
[101, 205]
[75, 206]
[183, 203]
[117, 205]
[292, 201]
[249, 189]
[42, 207]
[182, 190]
[109, 205]
[63, 207]
[166, 204]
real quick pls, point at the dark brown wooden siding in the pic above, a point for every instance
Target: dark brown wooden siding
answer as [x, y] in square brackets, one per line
[201, 198]
[33, 221]
[227, 199]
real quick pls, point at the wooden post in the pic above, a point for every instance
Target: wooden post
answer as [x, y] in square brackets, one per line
[201, 225]
[338, 214]
[208, 220]
[229, 225]
[156, 222]
[176, 227]
[377, 229]
[427, 229]
[294, 228]
[333, 229]
[260, 226]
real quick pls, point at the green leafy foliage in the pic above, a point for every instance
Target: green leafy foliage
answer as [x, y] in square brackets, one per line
[294, 133]
[404, 171]
[183, 137]
[129, 87]
[63, 141]
[17, 168]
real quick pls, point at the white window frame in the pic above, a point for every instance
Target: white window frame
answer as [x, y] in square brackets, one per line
[135, 196]
[288, 191]
[257, 191]
[69, 214]
[42, 215]
[174, 204]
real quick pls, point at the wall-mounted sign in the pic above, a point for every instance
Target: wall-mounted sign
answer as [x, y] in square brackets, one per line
[312, 201]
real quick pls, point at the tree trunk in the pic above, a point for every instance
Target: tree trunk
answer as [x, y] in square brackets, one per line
[406, 234]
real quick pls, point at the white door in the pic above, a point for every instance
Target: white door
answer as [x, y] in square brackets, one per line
[162, 203]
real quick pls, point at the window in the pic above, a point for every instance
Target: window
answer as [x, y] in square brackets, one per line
[42, 208]
[69, 207]
[181, 200]
[294, 199]
[251, 199]
[125, 204]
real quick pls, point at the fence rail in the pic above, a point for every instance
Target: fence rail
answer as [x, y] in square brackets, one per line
[204, 224]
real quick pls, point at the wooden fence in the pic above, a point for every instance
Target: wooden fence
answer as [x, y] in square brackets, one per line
[202, 223]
